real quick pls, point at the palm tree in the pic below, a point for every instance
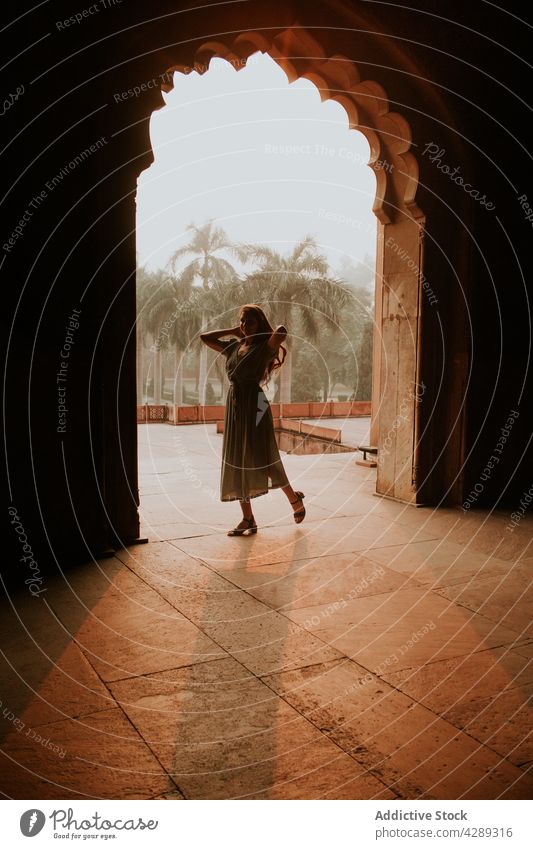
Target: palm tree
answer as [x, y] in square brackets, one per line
[296, 286]
[143, 282]
[149, 291]
[363, 391]
[177, 313]
[206, 243]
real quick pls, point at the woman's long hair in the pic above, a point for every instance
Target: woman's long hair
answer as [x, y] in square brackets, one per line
[263, 332]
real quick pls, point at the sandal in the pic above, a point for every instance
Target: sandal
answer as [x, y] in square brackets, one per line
[251, 528]
[299, 515]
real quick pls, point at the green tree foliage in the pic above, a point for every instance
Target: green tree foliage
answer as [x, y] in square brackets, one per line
[307, 379]
[297, 290]
[212, 270]
[329, 316]
[363, 387]
[335, 355]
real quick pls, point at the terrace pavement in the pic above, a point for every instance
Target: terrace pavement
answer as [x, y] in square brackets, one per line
[376, 651]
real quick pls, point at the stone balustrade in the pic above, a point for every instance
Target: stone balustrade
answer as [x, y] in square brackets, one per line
[198, 413]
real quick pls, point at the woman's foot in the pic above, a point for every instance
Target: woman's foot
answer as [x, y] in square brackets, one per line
[245, 526]
[299, 513]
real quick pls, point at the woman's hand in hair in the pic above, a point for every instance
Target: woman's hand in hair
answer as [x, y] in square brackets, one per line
[212, 338]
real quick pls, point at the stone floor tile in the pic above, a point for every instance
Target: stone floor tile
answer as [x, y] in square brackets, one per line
[505, 598]
[178, 530]
[488, 533]
[145, 646]
[128, 628]
[84, 586]
[176, 795]
[502, 722]
[341, 498]
[70, 688]
[438, 562]
[413, 751]
[44, 676]
[99, 757]
[401, 629]
[223, 734]
[201, 517]
[329, 579]
[183, 629]
[259, 637]
[439, 521]
[193, 514]
[311, 539]
[162, 565]
[447, 683]
[526, 561]
[267, 645]
[525, 649]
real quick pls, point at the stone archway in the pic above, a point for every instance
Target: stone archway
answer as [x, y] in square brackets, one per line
[396, 383]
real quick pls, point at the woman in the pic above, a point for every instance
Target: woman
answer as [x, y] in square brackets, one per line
[251, 464]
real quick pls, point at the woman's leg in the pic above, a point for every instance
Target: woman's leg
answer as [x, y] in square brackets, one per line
[246, 508]
[295, 502]
[291, 495]
[247, 522]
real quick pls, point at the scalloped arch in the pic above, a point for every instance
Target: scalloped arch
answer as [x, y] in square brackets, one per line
[365, 102]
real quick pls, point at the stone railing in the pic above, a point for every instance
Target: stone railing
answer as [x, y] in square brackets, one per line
[153, 413]
[198, 413]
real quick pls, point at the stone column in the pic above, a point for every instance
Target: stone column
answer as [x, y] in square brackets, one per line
[399, 360]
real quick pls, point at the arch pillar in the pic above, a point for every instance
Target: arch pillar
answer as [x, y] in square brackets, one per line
[397, 390]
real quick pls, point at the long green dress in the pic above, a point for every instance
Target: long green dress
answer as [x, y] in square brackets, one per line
[251, 464]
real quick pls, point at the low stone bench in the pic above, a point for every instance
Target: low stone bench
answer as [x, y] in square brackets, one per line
[367, 449]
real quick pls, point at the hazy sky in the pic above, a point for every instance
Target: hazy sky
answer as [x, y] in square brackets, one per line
[267, 160]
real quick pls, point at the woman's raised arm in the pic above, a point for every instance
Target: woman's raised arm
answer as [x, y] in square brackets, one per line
[277, 337]
[211, 338]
